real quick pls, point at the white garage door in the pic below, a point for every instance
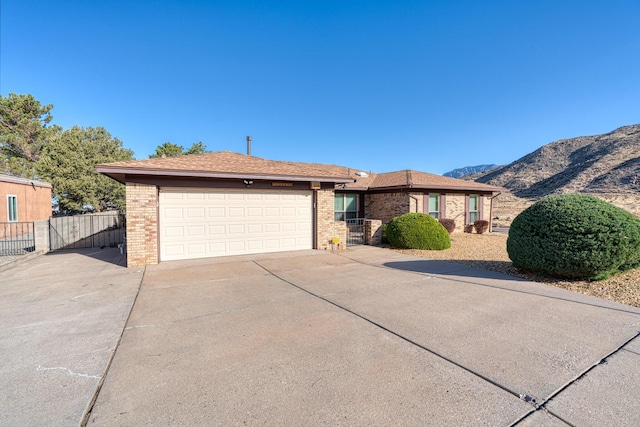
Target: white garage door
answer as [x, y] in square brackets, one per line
[200, 223]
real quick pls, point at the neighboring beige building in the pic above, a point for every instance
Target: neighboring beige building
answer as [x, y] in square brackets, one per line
[225, 203]
[24, 200]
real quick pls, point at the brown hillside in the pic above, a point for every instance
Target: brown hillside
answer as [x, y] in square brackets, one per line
[607, 166]
[608, 163]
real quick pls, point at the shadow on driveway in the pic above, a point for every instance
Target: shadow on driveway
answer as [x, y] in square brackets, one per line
[439, 267]
[106, 254]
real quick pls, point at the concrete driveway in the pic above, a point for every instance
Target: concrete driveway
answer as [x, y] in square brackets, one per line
[61, 318]
[367, 337]
[364, 337]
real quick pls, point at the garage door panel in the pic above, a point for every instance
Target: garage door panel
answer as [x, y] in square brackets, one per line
[174, 250]
[174, 213]
[255, 228]
[288, 211]
[289, 226]
[195, 213]
[255, 245]
[288, 243]
[236, 229]
[215, 230]
[272, 228]
[174, 232]
[216, 249]
[196, 223]
[215, 212]
[194, 196]
[196, 249]
[196, 231]
[237, 246]
[272, 244]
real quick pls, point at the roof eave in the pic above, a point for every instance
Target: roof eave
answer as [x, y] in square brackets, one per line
[24, 181]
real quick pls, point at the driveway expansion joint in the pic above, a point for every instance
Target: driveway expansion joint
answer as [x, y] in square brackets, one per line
[602, 361]
[408, 340]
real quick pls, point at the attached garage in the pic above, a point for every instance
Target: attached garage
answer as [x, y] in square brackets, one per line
[223, 203]
[200, 223]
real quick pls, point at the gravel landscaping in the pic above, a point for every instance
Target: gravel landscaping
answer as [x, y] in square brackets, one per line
[489, 252]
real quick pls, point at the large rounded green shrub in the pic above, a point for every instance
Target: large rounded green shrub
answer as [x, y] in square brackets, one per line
[417, 231]
[574, 236]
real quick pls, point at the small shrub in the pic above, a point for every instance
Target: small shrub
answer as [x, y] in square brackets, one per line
[448, 223]
[574, 236]
[417, 231]
[481, 226]
[383, 230]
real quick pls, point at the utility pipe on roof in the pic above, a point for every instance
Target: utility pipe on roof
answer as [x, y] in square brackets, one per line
[248, 145]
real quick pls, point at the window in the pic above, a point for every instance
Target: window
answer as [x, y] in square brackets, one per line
[345, 206]
[434, 205]
[474, 208]
[12, 208]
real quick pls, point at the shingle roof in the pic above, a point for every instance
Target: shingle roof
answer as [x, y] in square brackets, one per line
[226, 164]
[423, 180]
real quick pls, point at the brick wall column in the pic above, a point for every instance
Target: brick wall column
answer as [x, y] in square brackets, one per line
[142, 224]
[455, 209]
[41, 235]
[326, 227]
[372, 232]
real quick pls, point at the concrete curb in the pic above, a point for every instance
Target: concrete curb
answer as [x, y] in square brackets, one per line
[20, 260]
[89, 407]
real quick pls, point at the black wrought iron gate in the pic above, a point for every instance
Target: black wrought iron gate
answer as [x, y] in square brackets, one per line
[355, 231]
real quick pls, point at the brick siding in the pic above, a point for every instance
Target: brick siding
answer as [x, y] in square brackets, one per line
[386, 206]
[142, 224]
[327, 227]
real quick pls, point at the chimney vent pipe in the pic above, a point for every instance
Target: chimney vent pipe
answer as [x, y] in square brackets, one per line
[248, 145]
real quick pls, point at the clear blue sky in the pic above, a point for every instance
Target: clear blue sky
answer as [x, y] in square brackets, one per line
[375, 85]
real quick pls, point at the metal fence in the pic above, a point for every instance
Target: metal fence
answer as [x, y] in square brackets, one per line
[16, 238]
[355, 231]
[105, 229]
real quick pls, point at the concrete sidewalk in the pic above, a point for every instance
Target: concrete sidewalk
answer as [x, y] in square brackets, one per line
[61, 317]
[367, 337]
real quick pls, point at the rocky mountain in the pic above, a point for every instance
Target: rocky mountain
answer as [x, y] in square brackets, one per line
[606, 165]
[468, 170]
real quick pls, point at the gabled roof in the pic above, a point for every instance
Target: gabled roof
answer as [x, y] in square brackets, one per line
[24, 181]
[410, 179]
[226, 164]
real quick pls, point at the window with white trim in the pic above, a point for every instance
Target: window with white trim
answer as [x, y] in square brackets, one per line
[345, 206]
[12, 208]
[434, 205]
[474, 208]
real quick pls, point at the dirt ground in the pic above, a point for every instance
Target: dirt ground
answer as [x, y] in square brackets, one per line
[489, 252]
